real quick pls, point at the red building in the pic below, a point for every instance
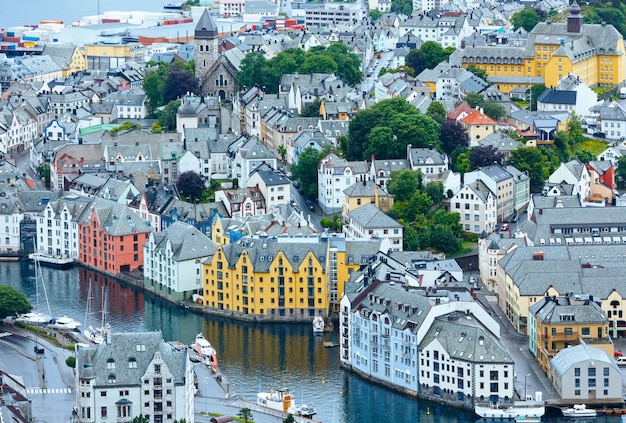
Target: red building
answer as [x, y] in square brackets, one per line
[111, 237]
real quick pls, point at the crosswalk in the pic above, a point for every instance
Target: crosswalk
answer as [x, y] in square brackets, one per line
[33, 391]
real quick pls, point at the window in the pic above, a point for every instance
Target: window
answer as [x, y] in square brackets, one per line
[103, 412]
[591, 372]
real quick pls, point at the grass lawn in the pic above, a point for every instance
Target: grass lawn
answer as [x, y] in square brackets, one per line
[594, 145]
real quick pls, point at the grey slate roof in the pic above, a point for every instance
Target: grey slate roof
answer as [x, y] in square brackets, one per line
[551, 96]
[121, 350]
[371, 217]
[549, 311]
[187, 242]
[574, 356]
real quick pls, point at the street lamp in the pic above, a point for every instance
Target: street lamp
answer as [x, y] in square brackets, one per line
[525, 376]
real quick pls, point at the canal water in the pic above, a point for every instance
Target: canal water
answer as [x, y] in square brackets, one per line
[253, 356]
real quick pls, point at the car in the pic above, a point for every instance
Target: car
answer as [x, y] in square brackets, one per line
[617, 353]
[310, 205]
[504, 227]
[472, 279]
[38, 349]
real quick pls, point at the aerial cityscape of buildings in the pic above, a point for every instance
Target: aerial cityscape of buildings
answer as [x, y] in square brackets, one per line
[261, 247]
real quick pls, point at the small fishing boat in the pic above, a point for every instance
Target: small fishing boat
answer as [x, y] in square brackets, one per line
[318, 324]
[529, 408]
[283, 400]
[579, 410]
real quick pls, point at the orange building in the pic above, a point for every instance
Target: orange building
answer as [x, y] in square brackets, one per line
[111, 237]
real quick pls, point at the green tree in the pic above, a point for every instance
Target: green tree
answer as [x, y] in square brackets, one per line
[167, 117]
[71, 361]
[437, 112]
[418, 205]
[535, 92]
[620, 173]
[494, 110]
[156, 127]
[375, 15]
[531, 159]
[245, 414]
[433, 54]
[585, 156]
[43, 171]
[434, 190]
[462, 163]
[153, 87]
[479, 72]
[450, 219]
[562, 145]
[526, 18]
[444, 240]
[190, 185]
[141, 419]
[282, 151]
[251, 72]
[312, 109]
[13, 302]
[403, 184]
[305, 171]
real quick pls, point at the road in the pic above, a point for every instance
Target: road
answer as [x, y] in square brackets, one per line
[368, 81]
[49, 381]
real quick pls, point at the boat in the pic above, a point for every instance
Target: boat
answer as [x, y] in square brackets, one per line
[529, 408]
[63, 323]
[56, 261]
[205, 350]
[579, 410]
[318, 324]
[97, 335]
[283, 400]
[35, 317]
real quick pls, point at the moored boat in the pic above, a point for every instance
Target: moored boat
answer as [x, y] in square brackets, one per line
[579, 410]
[56, 261]
[318, 325]
[528, 409]
[63, 323]
[283, 400]
[205, 350]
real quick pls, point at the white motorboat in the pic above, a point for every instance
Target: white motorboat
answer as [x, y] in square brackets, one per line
[205, 350]
[63, 323]
[530, 408]
[318, 324]
[303, 410]
[34, 318]
[57, 261]
[579, 410]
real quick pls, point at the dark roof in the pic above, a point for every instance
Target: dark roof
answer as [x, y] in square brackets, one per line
[206, 28]
[557, 97]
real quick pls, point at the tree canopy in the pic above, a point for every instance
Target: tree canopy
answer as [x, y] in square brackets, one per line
[13, 302]
[387, 128]
[160, 87]
[304, 171]
[404, 183]
[190, 184]
[255, 69]
[453, 136]
[491, 108]
[429, 55]
[526, 18]
[483, 156]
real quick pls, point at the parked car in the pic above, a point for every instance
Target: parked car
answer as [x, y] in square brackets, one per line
[310, 205]
[504, 227]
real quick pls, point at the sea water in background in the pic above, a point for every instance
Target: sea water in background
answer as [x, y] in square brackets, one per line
[253, 356]
[31, 12]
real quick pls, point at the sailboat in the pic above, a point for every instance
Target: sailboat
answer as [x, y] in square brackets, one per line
[97, 335]
[36, 317]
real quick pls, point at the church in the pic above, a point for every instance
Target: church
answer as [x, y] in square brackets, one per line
[215, 72]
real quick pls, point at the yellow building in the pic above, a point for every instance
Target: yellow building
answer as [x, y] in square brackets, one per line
[557, 323]
[283, 277]
[595, 53]
[109, 56]
[366, 192]
[72, 58]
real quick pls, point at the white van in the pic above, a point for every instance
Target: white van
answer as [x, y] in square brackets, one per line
[621, 361]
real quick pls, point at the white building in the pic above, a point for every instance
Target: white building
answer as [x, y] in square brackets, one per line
[368, 221]
[274, 187]
[248, 154]
[429, 161]
[477, 208]
[334, 175]
[131, 374]
[574, 174]
[57, 227]
[415, 342]
[173, 260]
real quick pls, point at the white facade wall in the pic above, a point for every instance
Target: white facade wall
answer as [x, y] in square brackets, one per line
[57, 234]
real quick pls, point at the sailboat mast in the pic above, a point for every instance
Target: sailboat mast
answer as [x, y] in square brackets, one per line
[43, 284]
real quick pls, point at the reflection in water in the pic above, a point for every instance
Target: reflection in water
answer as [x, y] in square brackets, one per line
[254, 356]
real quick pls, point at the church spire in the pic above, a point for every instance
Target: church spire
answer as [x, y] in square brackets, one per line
[206, 28]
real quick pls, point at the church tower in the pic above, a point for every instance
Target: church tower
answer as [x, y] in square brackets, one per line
[206, 41]
[575, 19]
